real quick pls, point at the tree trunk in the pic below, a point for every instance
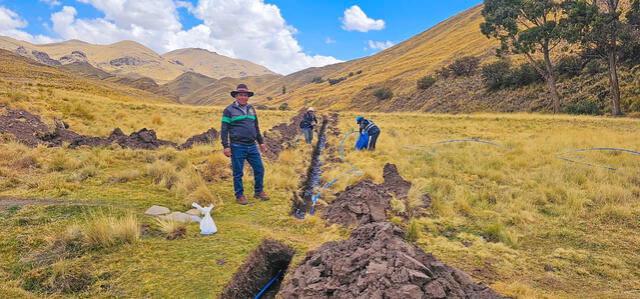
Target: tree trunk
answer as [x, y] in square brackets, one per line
[612, 54]
[551, 80]
[615, 86]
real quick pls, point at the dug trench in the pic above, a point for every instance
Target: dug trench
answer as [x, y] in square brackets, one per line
[302, 201]
[262, 271]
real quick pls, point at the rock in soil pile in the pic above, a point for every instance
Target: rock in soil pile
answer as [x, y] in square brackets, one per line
[365, 201]
[376, 262]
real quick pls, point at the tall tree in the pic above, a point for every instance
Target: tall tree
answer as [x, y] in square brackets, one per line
[630, 44]
[527, 27]
[596, 26]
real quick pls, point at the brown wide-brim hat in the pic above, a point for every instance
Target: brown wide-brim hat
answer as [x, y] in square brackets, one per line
[241, 89]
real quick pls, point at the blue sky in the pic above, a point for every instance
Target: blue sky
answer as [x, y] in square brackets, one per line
[297, 33]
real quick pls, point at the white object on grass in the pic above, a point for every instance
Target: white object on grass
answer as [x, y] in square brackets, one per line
[207, 226]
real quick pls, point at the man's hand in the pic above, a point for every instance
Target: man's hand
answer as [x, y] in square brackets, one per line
[227, 152]
[263, 148]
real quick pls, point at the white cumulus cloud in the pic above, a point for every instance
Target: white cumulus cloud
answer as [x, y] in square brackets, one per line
[51, 2]
[11, 25]
[355, 19]
[376, 45]
[246, 29]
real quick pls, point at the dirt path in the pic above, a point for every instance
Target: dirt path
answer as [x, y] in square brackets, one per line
[9, 201]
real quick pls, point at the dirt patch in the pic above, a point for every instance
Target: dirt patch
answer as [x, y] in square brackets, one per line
[376, 262]
[29, 129]
[365, 201]
[8, 202]
[270, 259]
[282, 136]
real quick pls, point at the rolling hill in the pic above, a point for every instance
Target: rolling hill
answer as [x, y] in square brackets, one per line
[397, 67]
[214, 65]
[131, 59]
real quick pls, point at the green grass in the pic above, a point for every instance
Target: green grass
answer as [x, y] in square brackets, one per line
[518, 206]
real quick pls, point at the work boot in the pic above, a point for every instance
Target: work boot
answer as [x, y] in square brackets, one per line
[242, 200]
[263, 196]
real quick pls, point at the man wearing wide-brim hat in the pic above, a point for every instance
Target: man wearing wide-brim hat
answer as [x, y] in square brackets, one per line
[239, 133]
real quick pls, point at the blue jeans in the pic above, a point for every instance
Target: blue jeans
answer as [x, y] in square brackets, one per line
[308, 134]
[239, 153]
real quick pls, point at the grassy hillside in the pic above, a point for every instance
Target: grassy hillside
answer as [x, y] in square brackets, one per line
[131, 59]
[214, 65]
[398, 67]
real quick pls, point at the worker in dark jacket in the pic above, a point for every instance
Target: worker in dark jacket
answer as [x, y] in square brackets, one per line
[371, 129]
[307, 124]
[239, 133]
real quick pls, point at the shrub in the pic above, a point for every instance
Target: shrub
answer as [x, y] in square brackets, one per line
[497, 75]
[426, 82]
[351, 74]
[569, 66]
[582, 106]
[383, 93]
[336, 81]
[444, 72]
[524, 75]
[284, 107]
[465, 66]
[594, 66]
[359, 72]
[264, 107]
[317, 80]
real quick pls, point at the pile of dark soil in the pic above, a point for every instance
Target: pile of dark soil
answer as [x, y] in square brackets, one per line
[366, 202]
[376, 262]
[282, 136]
[29, 129]
[205, 138]
[26, 127]
[263, 264]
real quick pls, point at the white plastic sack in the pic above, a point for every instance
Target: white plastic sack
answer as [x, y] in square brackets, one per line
[207, 226]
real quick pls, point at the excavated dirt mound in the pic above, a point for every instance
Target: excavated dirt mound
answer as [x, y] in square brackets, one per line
[376, 262]
[29, 129]
[205, 138]
[366, 202]
[263, 264]
[282, 136]
[26, 127]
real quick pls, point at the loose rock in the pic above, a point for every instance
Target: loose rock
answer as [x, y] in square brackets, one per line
[376, 262]
[157, 210]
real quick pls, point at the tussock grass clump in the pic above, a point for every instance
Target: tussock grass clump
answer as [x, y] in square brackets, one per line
[106, 231]
[125, 176]
[171, 228]
[217, 167]
[163, 173]
[60, 161]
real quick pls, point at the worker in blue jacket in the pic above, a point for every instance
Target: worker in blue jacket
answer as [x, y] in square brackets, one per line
[370, 128]
[239, 133]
